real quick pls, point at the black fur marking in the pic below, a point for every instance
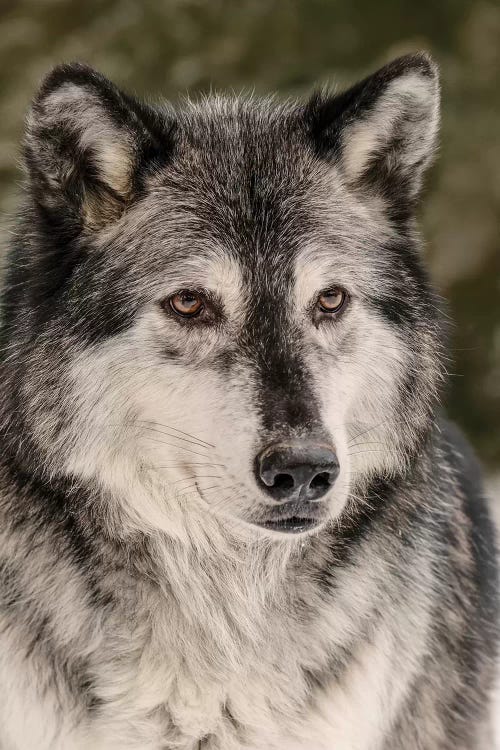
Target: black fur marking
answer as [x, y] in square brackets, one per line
[408, 296]
[56, 504]
[483, 536]
[287, 402]
[10, 588]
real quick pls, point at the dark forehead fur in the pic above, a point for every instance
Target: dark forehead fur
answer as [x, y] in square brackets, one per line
[248, 171]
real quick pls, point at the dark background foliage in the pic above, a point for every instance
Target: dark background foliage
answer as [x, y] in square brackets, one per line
[174, 46]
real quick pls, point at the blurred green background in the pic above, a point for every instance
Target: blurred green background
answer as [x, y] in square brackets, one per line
[169, 47]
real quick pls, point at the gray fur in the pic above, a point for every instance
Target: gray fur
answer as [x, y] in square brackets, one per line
[142, 604]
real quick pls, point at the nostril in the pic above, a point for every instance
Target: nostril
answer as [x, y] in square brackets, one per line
[283, 482]
[320, 481]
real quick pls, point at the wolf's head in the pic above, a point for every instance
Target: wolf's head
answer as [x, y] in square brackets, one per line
[220, 312]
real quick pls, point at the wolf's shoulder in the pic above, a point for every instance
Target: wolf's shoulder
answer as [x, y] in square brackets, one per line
[469, 476]
[461, 456]
[475, 506]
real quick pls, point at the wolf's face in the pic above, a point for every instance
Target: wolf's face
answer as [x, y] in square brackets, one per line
[224, 306]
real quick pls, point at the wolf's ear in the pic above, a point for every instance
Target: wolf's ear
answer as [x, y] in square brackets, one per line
[88, 145]
[382, 132]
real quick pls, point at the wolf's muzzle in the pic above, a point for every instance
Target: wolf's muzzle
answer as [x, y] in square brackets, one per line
[298, 472]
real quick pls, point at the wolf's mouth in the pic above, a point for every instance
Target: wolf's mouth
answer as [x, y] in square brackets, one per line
[294, 518]
[293, 525]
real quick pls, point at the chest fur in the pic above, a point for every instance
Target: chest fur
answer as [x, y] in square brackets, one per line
[237, 664]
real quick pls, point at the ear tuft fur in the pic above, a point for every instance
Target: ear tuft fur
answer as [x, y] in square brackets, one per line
[383, 131]
[85, 141]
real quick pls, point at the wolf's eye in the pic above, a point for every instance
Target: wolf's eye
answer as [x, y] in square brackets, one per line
[332, 300]
[186, 303]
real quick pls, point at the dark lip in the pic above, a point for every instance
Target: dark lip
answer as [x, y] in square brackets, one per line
[294, 518]
[293, 525]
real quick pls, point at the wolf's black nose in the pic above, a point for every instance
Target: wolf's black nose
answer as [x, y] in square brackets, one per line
[297, 471]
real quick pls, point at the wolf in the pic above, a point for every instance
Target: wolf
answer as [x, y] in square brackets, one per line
[233, 514]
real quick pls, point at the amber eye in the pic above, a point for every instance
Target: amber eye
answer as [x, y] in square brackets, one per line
[332, 300]
[187, 304]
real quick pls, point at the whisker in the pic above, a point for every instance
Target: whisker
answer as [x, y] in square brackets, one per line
[175, 429]
[191, 463]
[196, 487]
[174, 445]
[198, 490]
[200, 476]
[369, 429]
[176, 437]
[358, 445]
[359, 453]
